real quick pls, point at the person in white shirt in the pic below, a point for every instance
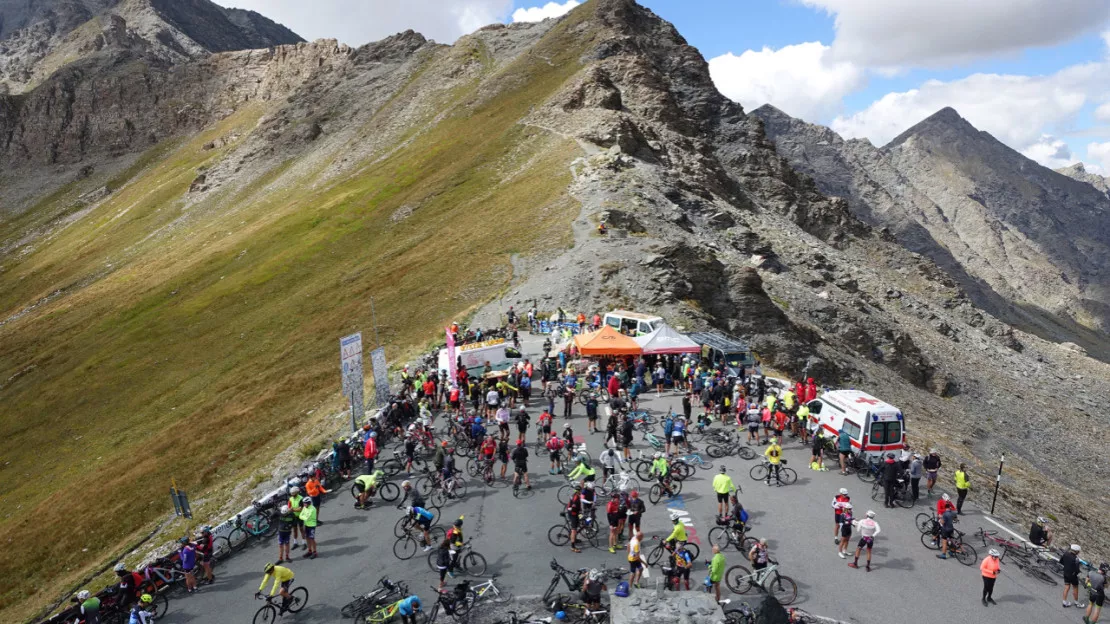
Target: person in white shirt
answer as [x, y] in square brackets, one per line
[868, 529]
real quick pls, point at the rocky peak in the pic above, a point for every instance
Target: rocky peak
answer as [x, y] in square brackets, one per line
[1079, 172]
[943, 125]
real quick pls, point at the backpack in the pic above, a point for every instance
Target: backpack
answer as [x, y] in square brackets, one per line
[622, 589]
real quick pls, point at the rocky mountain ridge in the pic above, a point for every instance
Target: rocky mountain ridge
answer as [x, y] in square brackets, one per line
[220, 220]
[37, 39]
[1079, 172]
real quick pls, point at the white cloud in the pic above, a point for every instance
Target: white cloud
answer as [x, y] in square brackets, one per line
[900, 33]
[1050, 152]
[799, 79]
[356, 22]
[1017, 110]
[1102, 113]
[538, 14]
[1098, 157]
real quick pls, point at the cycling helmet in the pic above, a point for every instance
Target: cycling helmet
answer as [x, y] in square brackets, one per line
[284, 509]
[870, 514]
[994, 553]
[763, 541]
[206, 529]
[366, 427]
[945, 497]
[560, 615]
[183, 540]
[723, 469]
[146, 599]
[412, 427]
[409, 509]
[676, 517]
[459, 522]
[890, 455]
[582, 458]
[1075, 548]
[120, 568]
[843, 490]
[444, 444]
[406, 484]
[658, 455]
[1040, 521]
[373, 434]
[634, 494]
[520, 443]
[774, 440]
[294, 490]
[478, 420]
[1104, 567]
[295, 481]
[522, 411]
[594, 574]
[307, 501]
[566, 425]
[577, 487]
[268, 568]
[83, 594]
[589, 485]
[554, 435]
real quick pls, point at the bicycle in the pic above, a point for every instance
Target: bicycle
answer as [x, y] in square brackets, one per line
[1032, 565]
[927, 523]
[439, 490]
[407, 545]
[656, 493]
[513, 619]
[724, 535]
[270, 612]
[490, 591]
[964, 553]
[761, 472]
[657, 553]
[718, 450]
[871, 470]
[559, 534]
[469, 562]
[573, 580]
[387, 491]
[481, 468]
[455, 603]
[162, 574]
[740, 580]
[685, 464]
[258, 525]
[363, 605]
[903, 495]
[618, 482]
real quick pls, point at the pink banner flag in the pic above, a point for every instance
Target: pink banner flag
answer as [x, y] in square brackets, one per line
[451, 367]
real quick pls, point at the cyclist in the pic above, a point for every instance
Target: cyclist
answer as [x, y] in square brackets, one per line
[583, 469]
[947, 528]
[143, 611]
[573, 515]
[944, 504]
[454, 540]
[502, 416]
[592, 586]
[868, 529]
[723, 486]
[932, 468]
[503, 455]
[1070, 562]
[838, 503]
[678, 433]
[487, 453]
[543, 426]
[286, 521]
[845, 520]
[410, 449]
[89, 606]
[717, 571]
[129, 584]
[844, 447]
[204, 548]
[447, 475]
[407, 609]
[989, 569]
[635, 511]
[759, 555]
[614, 513]
[591, 413]
[308, 518]
[370, 450]
[554, 447]
[568, 436]
[188, 556]
[738, 515]
[367, 485]
[283, 579]
[520, 464]
[678, 533]
[1039, 533]
[477, 431]
[682, 564]
[774, 456]
[1096, 585]
[609, 462]
[635, 563]
[661, 470]
[522, 421]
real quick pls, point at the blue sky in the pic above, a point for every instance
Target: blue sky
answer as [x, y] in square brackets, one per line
[1031, 72]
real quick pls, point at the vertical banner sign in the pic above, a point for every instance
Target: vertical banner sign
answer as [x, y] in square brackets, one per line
[451, 368]
[381, 376]
[350, 362]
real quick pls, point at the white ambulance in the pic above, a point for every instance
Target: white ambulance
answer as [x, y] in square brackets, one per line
[876, 427]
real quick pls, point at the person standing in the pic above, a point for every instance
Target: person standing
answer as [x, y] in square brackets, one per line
[1070, 563]
[717, 571]
[868, 529]
[370, 451]
[188, 556]
[1096, 583]
[844, 446]
[845, 530]
[838, 504]
[635, 564]
[591, 414]
[932, 468]
[962, 486]
[916, 470]
[989, 569]
[308, 518]
[890, 479]
[316, 490]
[723, 486]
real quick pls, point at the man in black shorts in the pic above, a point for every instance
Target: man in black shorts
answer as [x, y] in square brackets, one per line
[520, 464]
[635, 511]
[522, 421]
[626, 438]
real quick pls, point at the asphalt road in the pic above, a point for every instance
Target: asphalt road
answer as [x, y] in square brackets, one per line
[908, 583]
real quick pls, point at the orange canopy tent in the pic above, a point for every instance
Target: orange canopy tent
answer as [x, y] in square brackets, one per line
[606, 341]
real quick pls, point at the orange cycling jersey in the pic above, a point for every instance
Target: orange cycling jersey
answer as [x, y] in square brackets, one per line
[313, 487]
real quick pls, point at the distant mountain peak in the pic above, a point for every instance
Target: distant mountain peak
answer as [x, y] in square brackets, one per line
[942, 123]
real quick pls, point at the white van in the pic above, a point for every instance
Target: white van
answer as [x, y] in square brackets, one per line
[475, 355]
[632, 323]
[876, 427]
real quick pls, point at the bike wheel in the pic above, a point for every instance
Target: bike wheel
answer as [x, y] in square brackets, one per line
[564, 494]
[404, 548]
[559, 535]
[472, 468]
[354, 491]
[389, 492]
[716, 451]
[966, 555]
[655, 555]
[1037, 572]
[720, 537]
[402, 526]
[737, 616]
[160, 605]
[928, 542]
[266, 615]
[391, 467]
[474, 564]
[237, 539]
[300, 599]
[500, 597]
[432, 556]
[736, 579]
[784, 589]
[356, 607]
[643, 470]
[460, 489]
[924, 522]
[221, 548]
[267, 527]
[438, 534]
[758, 472]
[867, 475]
[655, 494]
[551, 588]
[788, 476]
[747, 545]
[746, 452]
[905, 499]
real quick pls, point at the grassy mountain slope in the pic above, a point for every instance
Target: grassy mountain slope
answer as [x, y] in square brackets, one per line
[181, 339]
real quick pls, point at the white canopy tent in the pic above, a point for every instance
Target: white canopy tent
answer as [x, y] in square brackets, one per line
[666, 340]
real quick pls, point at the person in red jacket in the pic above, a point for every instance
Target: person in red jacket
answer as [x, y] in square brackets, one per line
[800, 391]
[370, 451]
[943, 505]
[811, 391]
[614, 386]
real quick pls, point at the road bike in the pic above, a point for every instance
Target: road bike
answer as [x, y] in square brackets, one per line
[407, 522]
[559, 534]
[903, 494]
[618, 482]
[489, 591]
[741, 581]
[164, 573]
[387, 491]
[439, 491]
[926, 522]
[725, 449]
[870, 470]
[482, 468]
[1032, 565]
[657, 491]
[662, 549]
[513, 619]
[270, 612]
[386, 592]
[724, 535]
[258, 524]
[685, 465]
[963, 552]
[456, 602]
[762, 471]
[407, 545]
[572, 580]
[469, 562]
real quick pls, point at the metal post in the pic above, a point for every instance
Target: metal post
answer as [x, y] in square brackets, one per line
[997, 482]
[354, 425]
[374, 318]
